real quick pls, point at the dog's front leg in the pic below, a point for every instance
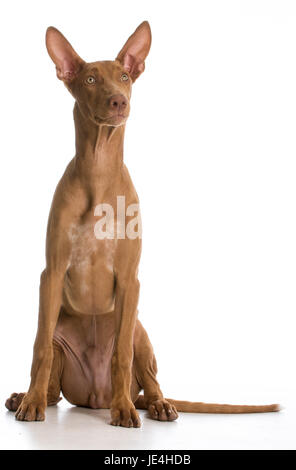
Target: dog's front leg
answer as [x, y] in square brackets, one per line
[123, 412]
[32, 407]
[58, 249]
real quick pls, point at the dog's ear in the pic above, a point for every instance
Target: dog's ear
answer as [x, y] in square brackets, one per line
[133, 54]
[67, 61]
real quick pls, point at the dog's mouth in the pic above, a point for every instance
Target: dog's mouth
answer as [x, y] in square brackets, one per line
[113, 120]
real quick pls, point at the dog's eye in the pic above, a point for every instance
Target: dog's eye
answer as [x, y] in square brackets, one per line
[90, 80]
[124, 77]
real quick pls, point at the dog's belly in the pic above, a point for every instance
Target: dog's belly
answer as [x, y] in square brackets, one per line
[86, 379]
[87, 343]
[89, 281]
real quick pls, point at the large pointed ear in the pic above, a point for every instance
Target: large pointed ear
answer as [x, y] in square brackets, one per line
[67, 61]
[133, 54]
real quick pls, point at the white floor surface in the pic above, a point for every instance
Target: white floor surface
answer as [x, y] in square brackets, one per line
[68, 427]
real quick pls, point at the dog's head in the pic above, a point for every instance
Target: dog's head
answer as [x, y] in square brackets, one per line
[101, 89]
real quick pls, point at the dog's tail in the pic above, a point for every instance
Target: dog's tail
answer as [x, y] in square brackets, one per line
[198, 407]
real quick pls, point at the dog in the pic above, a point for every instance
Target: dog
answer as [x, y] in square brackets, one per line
[90, 344]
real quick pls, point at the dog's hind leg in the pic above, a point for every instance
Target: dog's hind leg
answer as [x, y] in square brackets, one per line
[145, 370]
[54, 387]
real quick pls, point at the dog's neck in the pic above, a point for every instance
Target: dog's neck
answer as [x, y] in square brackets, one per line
[99, 148]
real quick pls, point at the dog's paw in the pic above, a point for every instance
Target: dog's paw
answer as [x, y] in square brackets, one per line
[31, 408]
[162, 410]
[13, 402]
[124, 414]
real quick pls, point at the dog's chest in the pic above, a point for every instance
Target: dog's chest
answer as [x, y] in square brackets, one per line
[87, 249]
[89, 286]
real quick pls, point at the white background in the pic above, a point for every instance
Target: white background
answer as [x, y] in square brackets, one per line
[210, 145]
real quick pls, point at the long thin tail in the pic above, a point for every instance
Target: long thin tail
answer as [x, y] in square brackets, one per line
[198, 407]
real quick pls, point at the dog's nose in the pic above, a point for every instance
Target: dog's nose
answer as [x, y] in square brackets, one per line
[118, 102]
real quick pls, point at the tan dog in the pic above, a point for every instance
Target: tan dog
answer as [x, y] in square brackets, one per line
[90, 345]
